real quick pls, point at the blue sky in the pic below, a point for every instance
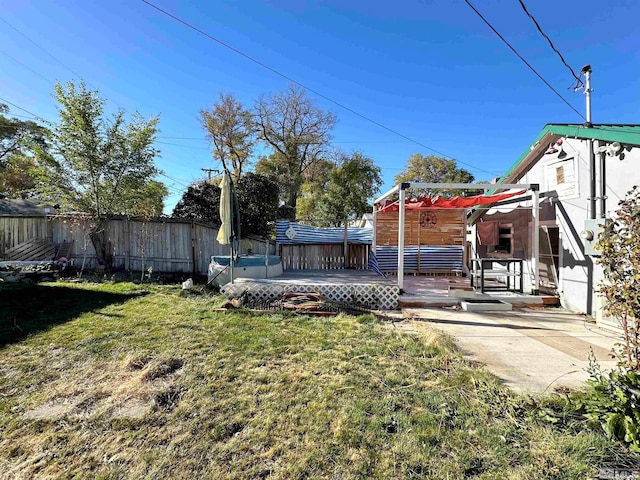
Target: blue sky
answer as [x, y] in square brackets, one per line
[428, 69]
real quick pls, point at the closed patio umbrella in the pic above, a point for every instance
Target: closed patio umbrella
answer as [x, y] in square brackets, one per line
[225, 231]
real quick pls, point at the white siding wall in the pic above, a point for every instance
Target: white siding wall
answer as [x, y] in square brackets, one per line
[572, 210]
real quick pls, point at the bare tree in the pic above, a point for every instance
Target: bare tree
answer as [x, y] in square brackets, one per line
[231, 129]
[298, 131]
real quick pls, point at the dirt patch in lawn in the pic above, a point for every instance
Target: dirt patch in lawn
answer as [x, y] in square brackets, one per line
[128, 389]
[53, 408]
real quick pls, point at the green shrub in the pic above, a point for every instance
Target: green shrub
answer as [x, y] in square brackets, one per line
[619, 246]
[612, 401]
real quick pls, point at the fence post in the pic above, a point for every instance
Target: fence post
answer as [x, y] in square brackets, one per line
[346, 244]
[49, 226]
[127, 252]
[193, 247]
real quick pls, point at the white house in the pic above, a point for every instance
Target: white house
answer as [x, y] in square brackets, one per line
[582, 172]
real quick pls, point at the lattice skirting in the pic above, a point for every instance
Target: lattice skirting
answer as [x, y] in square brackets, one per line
[381, 297]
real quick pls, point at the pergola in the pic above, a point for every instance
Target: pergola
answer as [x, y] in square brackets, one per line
[401, 188]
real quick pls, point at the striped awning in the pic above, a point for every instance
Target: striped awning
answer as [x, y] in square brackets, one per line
[290, 233]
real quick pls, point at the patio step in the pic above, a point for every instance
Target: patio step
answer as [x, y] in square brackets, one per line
[419, 301]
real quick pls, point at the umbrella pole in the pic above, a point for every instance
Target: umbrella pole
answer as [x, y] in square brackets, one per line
[232, 237]
[235, 228]
[231, 259]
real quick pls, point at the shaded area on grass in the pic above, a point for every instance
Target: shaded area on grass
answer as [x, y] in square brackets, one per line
[29, 309]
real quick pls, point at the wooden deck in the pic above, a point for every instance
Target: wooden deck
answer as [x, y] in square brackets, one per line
[322, 277]
[357, 287]
[419, 291]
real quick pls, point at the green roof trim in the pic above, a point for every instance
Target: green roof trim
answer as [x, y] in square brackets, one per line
[625, 134]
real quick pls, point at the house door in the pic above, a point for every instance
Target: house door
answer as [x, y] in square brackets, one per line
[549, 258]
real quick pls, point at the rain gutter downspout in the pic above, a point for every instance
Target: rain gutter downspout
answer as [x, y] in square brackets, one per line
[603, 185]
[592, 179]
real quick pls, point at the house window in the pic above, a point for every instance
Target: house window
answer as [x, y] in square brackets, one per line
[505, 240]
[561, 177]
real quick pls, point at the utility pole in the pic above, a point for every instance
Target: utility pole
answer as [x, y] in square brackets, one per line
[209, 171]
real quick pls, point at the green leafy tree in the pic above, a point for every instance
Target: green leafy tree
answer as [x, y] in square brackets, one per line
[257, 199]
[350, 188]
[273, 167]
[18, 175]
[232, 132]
[199, 202]
[258, 202]
[298, 131]
[18, 135]
[432, 169]
[612, 397]
[19, 141]
[147, 202]
[97, 165]
[316, 180]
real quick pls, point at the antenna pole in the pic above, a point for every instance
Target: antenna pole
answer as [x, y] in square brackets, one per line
[586, 70]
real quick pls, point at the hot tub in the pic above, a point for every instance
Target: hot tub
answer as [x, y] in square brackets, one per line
[247, 266]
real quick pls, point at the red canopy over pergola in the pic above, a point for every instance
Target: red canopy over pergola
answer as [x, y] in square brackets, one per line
[425, 202]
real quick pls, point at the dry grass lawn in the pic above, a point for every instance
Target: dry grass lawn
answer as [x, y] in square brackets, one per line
[122, 381]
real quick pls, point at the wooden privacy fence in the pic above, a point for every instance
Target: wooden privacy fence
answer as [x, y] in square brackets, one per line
[324, 256]
[165, 245]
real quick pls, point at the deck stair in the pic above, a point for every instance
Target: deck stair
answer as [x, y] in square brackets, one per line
[38, 249]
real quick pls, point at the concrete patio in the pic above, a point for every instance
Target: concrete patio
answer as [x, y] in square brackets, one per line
[533, 350]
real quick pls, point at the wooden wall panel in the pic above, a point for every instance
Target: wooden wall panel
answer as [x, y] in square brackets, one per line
[324, 256]
[446, 227]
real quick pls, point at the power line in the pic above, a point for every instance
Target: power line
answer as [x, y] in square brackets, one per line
[184, 138]
[174, 179]
[535, 22]
[30, 117]
[74, 73]
[38, 46]
[183, 146]
[168, 143]
[292, 80]
[26, 67]
[202, 139]
[521, 58]
[24, 110]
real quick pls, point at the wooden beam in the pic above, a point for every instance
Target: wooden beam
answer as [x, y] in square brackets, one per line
[470, 186]
[387, 194]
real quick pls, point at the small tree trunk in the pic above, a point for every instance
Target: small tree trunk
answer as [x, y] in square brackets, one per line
[100, 242]
[293, 199]
[627, 339]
